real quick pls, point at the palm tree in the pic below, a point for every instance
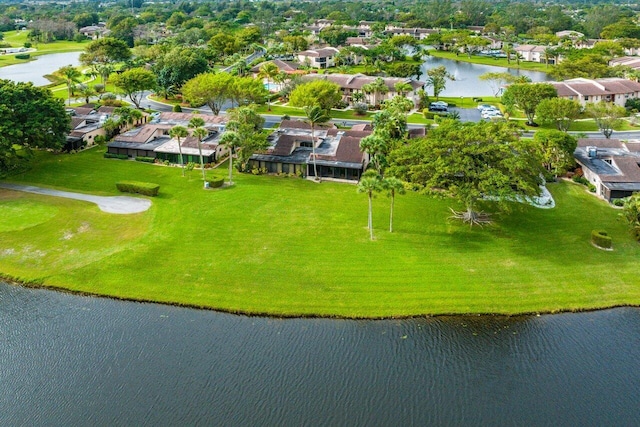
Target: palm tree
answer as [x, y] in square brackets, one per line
[86, 92]
[315, 115]
[230, 139]
[127, 115]
[376, 87]
[402, 88]
[197, 124]
[71, 75]
[393, 186]
[269, 71]
[178, 132]
[370, 183]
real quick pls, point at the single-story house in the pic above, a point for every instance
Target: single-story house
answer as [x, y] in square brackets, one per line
[611, 166]
[94, 32]
[351, 83]
[626, 61]
[86, 124]
[338, 154]
[287, 67]
[318, 58]
[533, 53]
[153, 140]
[613, 89]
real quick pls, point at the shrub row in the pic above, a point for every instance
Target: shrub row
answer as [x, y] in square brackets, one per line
[115, 156]
[601, 239]
[23, 56]
[145, 159]
[144, 188]
[216, 183]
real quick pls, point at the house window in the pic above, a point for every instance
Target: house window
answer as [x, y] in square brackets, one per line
[586, 98]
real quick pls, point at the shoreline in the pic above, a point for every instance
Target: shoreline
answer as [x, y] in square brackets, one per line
[40, 285]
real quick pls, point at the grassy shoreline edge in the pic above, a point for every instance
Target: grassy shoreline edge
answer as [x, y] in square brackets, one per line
[39, 285]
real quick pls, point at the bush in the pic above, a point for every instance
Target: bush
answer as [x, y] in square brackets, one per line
[177, 108]
[618, 202]
[145, 159]
[27, 45]
[98, 87]
[23, 56]
[115, 156]
[216, 183]
[580, 180]
[601, 239]
[144, 188]
[591, 187]
[360, 108]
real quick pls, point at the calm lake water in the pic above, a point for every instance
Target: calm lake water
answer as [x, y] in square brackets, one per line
[35, 70]
[71, 360]
[466, 76]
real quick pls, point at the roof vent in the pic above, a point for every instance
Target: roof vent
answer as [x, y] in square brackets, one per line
[592, 152]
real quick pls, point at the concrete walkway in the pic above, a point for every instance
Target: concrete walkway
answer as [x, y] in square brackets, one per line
[114, 204]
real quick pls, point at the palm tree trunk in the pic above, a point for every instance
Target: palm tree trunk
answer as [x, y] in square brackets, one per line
[370, 215]
[391, 213]
[181, 160]
[204, 176]
[268, 95]
[230, 164]
[313, 150]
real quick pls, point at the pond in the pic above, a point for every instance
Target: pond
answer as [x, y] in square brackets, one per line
[73, 360]
[467, 82]
[35, 70]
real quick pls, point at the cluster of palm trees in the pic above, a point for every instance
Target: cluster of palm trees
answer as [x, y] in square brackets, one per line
[372, 182]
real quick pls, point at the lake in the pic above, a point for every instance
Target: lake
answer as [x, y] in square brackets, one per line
[73, 360]
[35, 70]
[466, 76]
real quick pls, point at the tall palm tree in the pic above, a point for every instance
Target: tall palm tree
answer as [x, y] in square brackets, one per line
[269, 71]
[376, 87]
[370, 183]
[71, 76]
[393, 186]
[197, 124]
[178, 132]
[230, 139]
[315, 116]
[127, 115]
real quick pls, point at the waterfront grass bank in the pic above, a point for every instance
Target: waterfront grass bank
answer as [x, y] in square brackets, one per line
[289, 247]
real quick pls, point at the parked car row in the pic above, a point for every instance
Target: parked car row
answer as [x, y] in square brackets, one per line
[489, 111]
[439, 106]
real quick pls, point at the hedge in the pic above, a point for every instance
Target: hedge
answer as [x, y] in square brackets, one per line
[115, 156]
[216, 183]
[144, 188]
[23, 56]
[145, 159]
[601, 239]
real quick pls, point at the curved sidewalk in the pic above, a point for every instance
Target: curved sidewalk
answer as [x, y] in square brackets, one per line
[113, 204]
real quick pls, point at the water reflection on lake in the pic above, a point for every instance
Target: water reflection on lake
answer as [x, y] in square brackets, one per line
[35, 70]
[466, 76]
[70, 360]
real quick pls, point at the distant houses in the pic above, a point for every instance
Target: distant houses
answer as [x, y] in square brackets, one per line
[611, 166]
[616, 90]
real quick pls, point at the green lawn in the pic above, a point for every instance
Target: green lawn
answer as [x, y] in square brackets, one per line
[498, 62]
[287, 246]
[18, 38]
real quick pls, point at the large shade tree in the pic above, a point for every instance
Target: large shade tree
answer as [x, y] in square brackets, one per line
[473, 163]
[104, 53]
[556, 149]
[134, 83]
[247, 125]
[607, 116]
[322, 93]
[209, 89]
[560, 112]
[30, 117]
[527, 96]
[437, 78]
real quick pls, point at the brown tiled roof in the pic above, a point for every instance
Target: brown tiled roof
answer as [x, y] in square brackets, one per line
[185, 117]
[349, 132]
[600, 143]
[362, 126]
[629, 168]
[106, 109]
[348, 151]
[76, 121]
[294, 124]
[83, 111]
[357, 81]
[417, 132]
[143, 135]
[319, 53]
[286, 66]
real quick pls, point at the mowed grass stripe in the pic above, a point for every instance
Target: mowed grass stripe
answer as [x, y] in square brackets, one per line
[287, 246]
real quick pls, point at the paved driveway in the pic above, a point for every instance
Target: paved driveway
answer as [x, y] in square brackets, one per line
[467, 114]
[114, 204]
